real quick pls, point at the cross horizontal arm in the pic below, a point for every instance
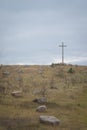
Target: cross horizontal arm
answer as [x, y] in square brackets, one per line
[62, 46]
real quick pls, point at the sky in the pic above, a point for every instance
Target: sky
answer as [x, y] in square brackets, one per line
[32, 30]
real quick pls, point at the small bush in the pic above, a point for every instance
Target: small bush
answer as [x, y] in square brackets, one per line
[70, 71]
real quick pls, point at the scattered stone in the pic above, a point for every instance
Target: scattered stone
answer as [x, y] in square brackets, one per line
[49, 120]
[17, 94]
[42, 108]
[40, 100]
[6, 73]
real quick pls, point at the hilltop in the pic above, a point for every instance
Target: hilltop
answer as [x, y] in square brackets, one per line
[64, 86]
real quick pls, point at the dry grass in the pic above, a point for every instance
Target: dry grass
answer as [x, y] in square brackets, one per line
[66, 97]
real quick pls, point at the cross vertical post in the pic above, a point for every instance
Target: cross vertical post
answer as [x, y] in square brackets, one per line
[62, 51]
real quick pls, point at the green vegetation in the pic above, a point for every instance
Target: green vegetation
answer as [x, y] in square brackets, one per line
[70, 70]
[65, 87]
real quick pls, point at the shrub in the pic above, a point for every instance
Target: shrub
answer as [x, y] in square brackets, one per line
[70, 71]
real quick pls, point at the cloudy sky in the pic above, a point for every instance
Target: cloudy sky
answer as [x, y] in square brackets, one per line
[32, 30]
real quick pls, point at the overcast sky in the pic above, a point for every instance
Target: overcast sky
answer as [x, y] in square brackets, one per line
[32, 30]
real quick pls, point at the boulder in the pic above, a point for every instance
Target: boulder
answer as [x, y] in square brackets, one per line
[42, 108]
[41, 100]
[49, 120]
[6, 73]
[17, 93]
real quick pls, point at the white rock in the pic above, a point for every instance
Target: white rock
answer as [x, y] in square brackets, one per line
[42, 108]
[49, 120]
[17, 93]
[41, 100]
[6, 73]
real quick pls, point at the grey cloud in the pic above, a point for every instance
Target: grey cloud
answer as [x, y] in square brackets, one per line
[32, 28]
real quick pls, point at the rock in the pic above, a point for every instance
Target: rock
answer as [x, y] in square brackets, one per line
[49, 120]
[17, 94]
[40, 100]
[6, 73]
[42, 108]
[43, 100]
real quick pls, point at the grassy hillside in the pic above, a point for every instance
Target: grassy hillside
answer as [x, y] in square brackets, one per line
[65, 87]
